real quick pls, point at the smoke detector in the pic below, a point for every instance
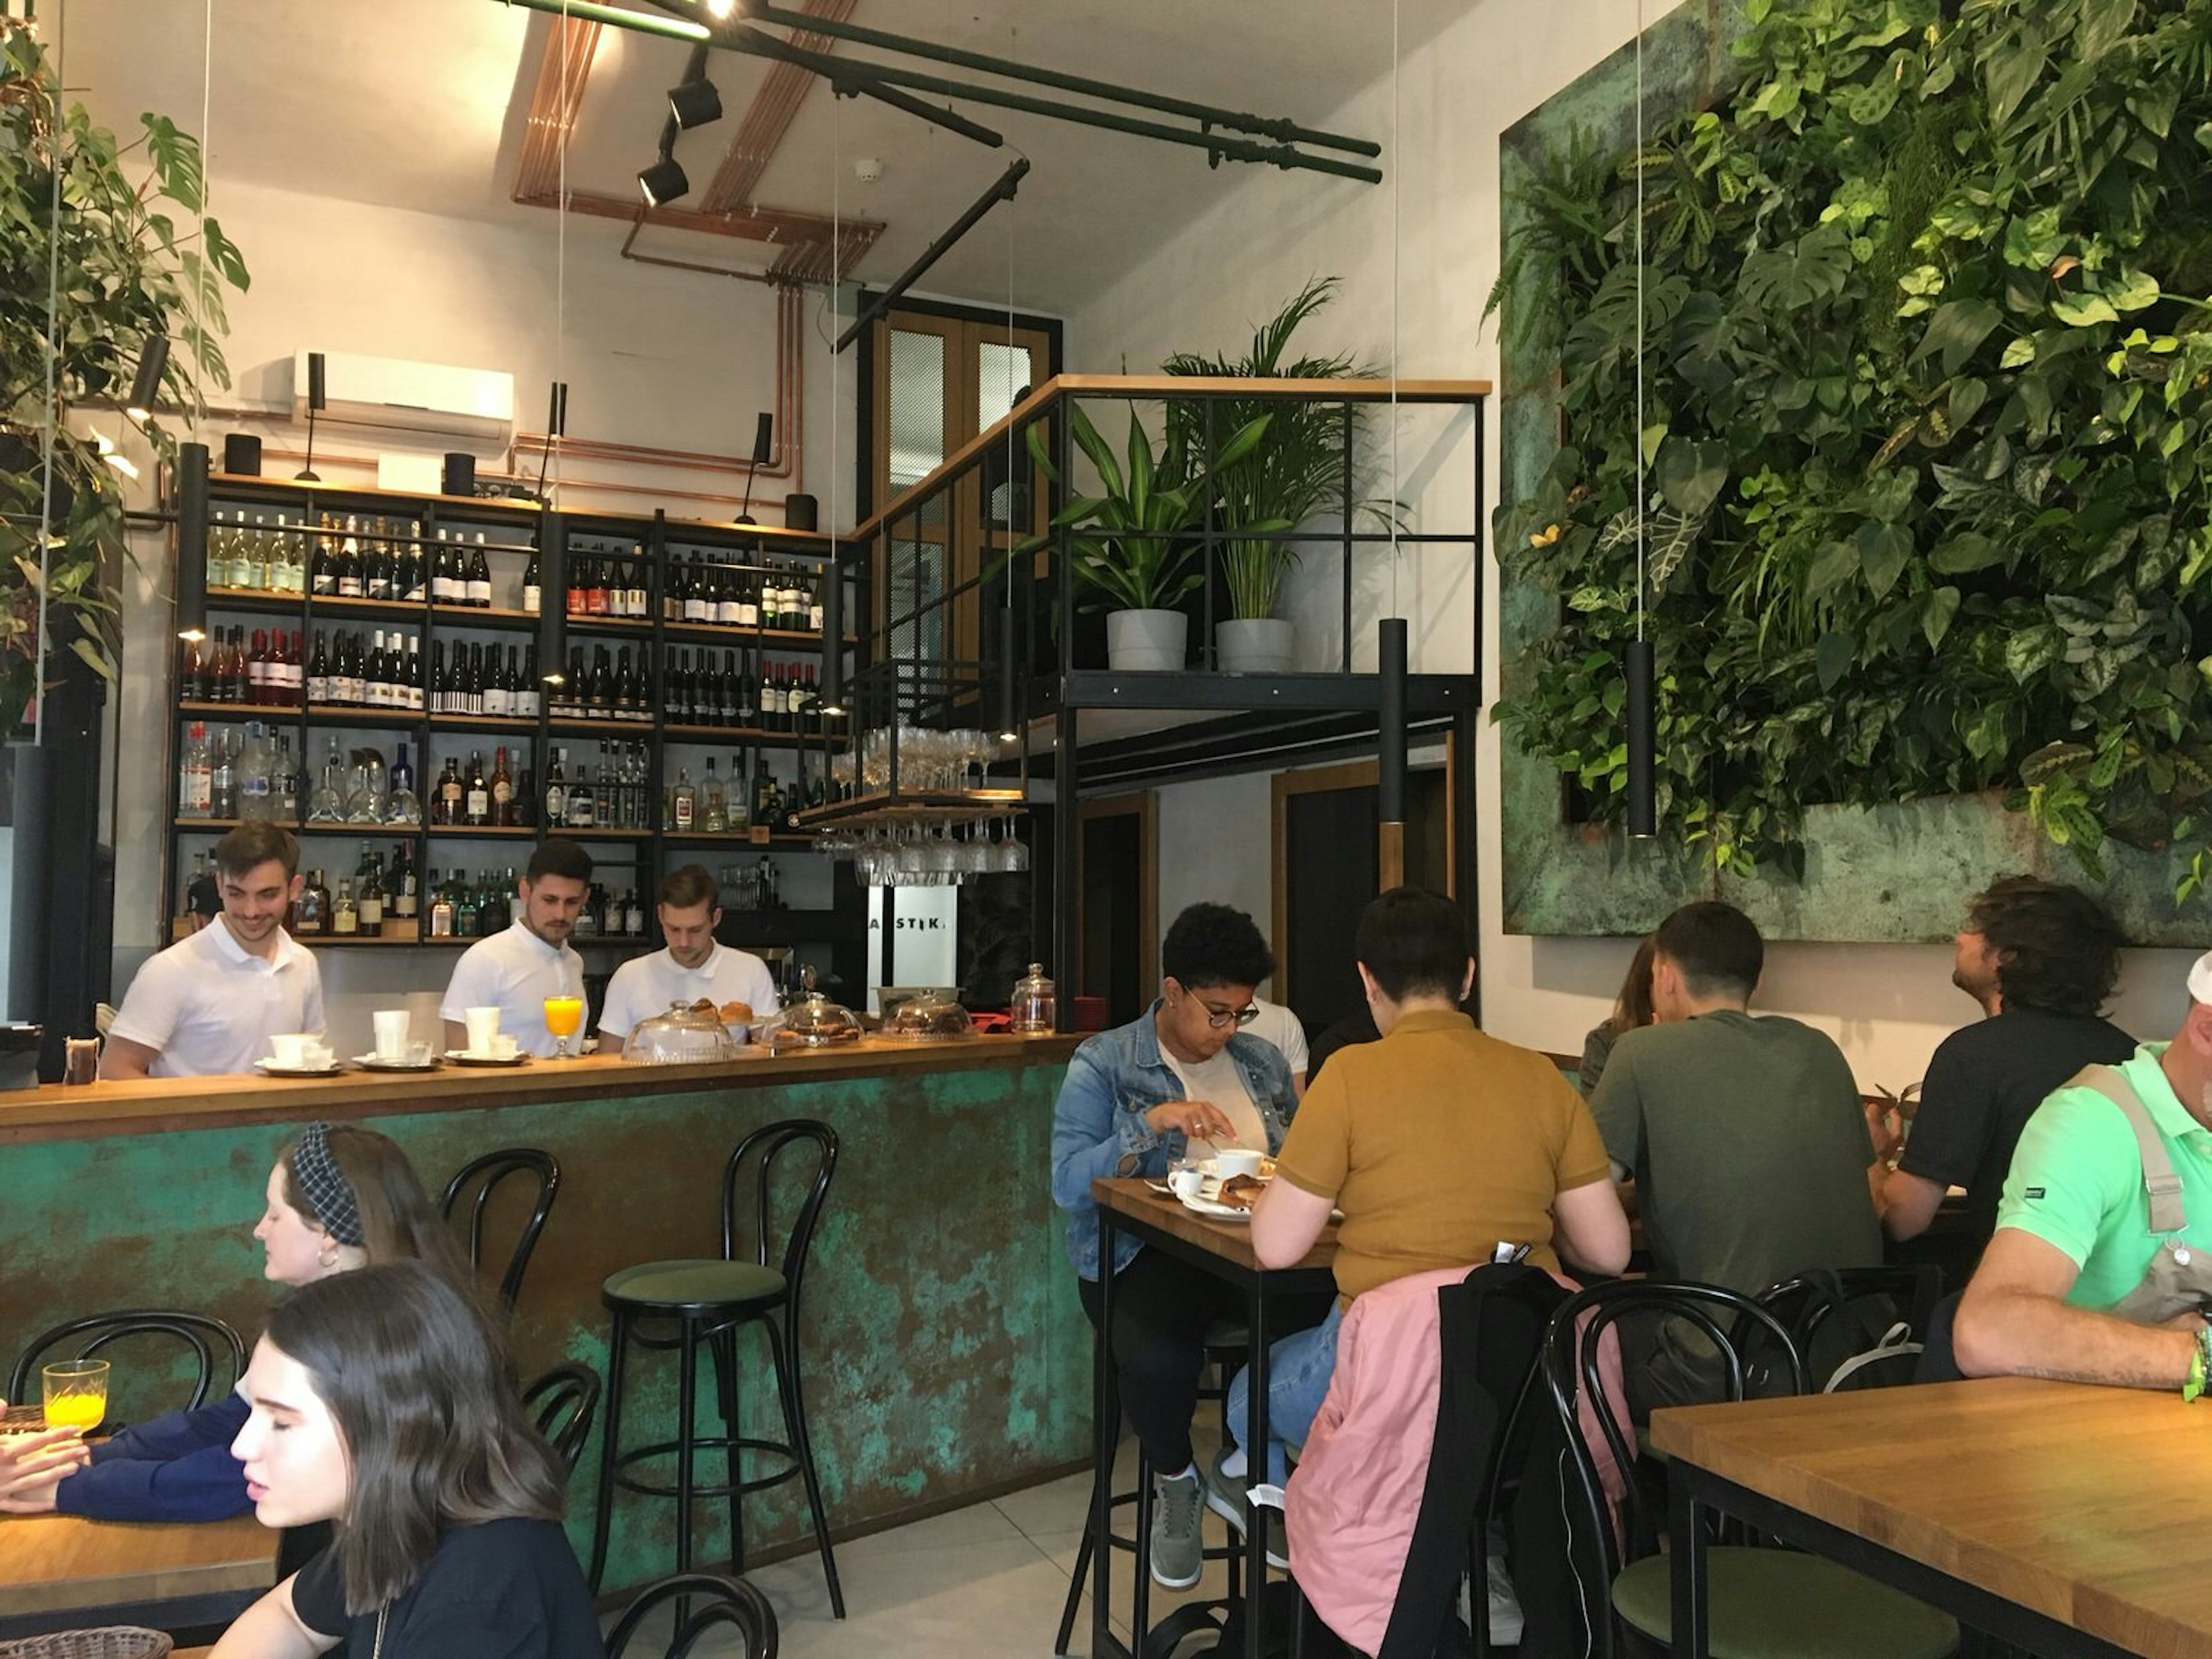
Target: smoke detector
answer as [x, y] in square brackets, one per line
[868, 170]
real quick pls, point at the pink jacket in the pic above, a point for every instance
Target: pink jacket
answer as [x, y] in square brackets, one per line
[1352, 1501]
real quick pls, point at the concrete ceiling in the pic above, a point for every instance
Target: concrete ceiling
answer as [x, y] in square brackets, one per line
[423, 104]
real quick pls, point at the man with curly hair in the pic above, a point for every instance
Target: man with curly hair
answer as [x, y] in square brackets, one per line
[2042, 960]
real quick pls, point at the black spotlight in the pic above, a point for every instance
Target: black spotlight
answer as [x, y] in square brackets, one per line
[694, 103]
[663, 182]
[144, 390]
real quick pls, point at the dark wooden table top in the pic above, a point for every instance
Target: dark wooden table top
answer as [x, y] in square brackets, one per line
[1129, 1196]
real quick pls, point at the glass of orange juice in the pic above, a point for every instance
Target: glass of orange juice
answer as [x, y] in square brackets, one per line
[76, 1394]
[563, 1014]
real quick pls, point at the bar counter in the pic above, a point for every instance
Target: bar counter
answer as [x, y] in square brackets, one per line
[946, 1354]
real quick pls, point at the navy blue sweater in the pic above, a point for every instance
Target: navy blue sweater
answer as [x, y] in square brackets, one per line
[177, 1467]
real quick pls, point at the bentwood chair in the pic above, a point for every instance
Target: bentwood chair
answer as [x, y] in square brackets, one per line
[683, 1306]
[210, 1344]
[728, 1604]
[1842, 1320]
[1764, 1603]
[480, 1178]
[563, 1403]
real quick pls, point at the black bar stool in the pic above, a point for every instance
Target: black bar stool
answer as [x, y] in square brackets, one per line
[685, 1305]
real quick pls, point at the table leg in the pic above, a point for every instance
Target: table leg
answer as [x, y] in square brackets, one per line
[1687, 1528]
[1255, 1473]
[1105, 1433]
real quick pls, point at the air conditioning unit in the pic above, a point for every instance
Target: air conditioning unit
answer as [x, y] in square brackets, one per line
[434, 401]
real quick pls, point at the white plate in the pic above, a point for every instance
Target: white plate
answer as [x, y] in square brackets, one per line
[372, 1063]
[463, 1057]
[1218, 1210]
[270, 1068]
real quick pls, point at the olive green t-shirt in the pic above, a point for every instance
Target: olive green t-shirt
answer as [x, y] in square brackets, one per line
[1439, 1142]
[1748, 1142]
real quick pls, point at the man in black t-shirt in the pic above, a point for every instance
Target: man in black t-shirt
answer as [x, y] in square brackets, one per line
[2041, 959]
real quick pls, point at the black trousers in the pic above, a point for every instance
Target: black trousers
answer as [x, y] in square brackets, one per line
[1163, 1308]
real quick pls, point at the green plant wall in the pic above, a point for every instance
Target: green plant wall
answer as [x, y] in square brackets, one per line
[1926, 455]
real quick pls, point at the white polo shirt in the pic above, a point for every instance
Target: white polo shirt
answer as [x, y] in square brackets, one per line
[516, 971]
[1278, 1025]
[210, 1006]
[645, 986]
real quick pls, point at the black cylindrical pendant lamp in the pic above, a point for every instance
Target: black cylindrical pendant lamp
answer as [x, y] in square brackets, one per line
[191, 541]
[833, 638]
[552, 540]
[1643, 742]
[1390, 718]
[1009, 715]
[146, 389]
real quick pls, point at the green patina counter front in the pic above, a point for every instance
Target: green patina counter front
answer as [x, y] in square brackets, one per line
[946, 1353]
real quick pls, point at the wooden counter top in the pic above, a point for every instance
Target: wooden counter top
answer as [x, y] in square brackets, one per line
[55, 1113]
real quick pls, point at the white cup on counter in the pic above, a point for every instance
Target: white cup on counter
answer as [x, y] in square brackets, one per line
[289, 1049]
[482, 1025]
[391, 1033]
[505, 1047]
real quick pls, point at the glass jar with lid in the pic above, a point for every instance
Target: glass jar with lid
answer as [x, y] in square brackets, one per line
[687, 1035]
[817, 1023]
[1035, 1008]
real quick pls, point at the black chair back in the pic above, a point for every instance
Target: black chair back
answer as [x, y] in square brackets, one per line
[1732, 1323]
[211, 1343]
[755, 1161]
[727, 1604]
[1834, 1314]
[480, 1177]
[563, 1403]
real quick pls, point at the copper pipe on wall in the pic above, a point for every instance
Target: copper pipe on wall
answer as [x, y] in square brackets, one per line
[760, 134]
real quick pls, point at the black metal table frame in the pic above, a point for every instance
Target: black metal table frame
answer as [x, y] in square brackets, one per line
[1259, 1287]
[1696, 1495]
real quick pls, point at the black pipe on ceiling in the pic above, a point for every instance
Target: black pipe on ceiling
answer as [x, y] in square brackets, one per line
[1002, 189]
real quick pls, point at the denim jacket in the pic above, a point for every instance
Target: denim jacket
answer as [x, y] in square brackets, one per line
[1098, 1126]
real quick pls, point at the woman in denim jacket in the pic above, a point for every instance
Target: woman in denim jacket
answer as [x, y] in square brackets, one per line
[1134, 1098]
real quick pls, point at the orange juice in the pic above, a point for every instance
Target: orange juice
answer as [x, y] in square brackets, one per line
[563, 1015]
[79, 1411]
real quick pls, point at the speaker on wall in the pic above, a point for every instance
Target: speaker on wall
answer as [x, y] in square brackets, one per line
[242, 455]
[800, 512]
[461, 474]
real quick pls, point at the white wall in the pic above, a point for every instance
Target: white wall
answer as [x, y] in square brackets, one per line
[652, 357]
[1420, 252]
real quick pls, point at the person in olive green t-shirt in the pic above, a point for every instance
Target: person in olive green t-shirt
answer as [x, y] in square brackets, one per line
[2073, 1237]
[1745, 1134]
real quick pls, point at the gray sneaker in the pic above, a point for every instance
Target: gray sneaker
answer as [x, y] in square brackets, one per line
[1176, 1556]
[1226, 1496]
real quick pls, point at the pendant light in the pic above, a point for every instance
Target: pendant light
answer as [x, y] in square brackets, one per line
[1643, 709]
[146, 388]
[191, 541]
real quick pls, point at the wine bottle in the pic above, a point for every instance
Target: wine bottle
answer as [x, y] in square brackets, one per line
[319, 673]
[530, 593]
[475, 798]
[502, 791]
[557, 790]
[413, 584]
[528, 689]
[479, 582]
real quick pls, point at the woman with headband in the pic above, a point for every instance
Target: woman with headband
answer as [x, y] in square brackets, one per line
[339, 1198]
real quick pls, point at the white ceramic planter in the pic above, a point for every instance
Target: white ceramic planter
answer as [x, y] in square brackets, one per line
[1262, 644]
[1155, 641]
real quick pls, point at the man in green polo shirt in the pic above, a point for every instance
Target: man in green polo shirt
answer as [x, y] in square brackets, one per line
[2092, 1276]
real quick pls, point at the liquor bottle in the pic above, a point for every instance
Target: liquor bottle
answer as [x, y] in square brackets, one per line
[402, 772]
[633, 914]
[256, 791]
[714, 805]
[345, 914]
[441, 908]
[603, 799]
[445, 800]
[765, 802]
[578, 813]
[682, 803]
[531, 591]
[466, 911]
[556, 792]
[370, 905]
[479, 582]
[525, 798]
[314, 908]
[475, 800]
[195, 774]
[406, 898]
[528, 689]
[502, 790]
[222, 776]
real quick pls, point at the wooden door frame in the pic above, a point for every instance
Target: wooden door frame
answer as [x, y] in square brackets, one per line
[1322, 779]
[1142, 805]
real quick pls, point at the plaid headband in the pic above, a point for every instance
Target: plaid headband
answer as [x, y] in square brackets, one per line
[329, 1193]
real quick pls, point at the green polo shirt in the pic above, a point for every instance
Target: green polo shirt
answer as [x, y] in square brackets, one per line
[2077, 1181]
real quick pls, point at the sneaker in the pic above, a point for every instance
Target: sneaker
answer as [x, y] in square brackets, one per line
[1224, 1495]
[1176, 1556]
[1504, 1608]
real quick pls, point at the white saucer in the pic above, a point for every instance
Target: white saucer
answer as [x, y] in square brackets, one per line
[270, 1068]
[373, 1063]
[1218, 1210]
[465, 1057]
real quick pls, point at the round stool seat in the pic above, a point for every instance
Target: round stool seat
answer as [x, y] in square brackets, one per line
[706, 1282]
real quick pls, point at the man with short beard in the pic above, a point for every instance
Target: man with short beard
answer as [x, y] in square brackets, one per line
[2102, 1265]
[2041, 959]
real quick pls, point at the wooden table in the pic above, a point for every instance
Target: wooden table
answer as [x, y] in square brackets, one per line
[2060, 1517]
[1223, 1249]
[63, 1572]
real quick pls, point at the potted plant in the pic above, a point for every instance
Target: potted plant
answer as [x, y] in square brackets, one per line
[137, 262]
[1271, 488]
[1135, 548]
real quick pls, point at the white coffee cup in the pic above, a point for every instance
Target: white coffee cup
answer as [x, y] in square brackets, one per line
[289, 1049]
[1187, 1184]
[505, 1046]
[318, 1054]
[391, 1033]
[484, 1029]
[1236, 1161]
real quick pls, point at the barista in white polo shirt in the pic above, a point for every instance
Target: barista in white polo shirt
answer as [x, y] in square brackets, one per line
[516, 970]
[693, 965]
[209, 1003]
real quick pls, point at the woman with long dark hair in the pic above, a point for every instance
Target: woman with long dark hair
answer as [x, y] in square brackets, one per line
[379, 1401]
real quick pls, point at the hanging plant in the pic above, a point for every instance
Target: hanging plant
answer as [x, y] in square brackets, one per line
[1927, 324]
[126, 263]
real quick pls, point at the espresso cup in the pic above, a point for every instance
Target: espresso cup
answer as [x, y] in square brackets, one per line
[1187, 1184]
[505, 1046]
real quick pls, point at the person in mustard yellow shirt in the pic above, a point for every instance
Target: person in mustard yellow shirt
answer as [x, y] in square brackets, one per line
[1440, 1143]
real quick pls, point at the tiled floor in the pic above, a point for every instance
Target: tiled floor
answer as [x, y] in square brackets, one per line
[988, 1579]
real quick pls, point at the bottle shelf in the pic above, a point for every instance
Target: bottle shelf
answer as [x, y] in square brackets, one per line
[736, 635]
[503, 832]
[346, 714]
[626, 626]
[478, 616]
[394, 832]
[782, 838]
[268, 600]
[484, 723]
[569, 726]
[195, 710]
[326, 604]
[745, 736]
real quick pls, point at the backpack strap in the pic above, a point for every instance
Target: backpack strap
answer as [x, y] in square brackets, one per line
[2161, 1186]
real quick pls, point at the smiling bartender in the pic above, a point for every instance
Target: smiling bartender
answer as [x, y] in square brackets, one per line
[209, 1003]
[518, 970]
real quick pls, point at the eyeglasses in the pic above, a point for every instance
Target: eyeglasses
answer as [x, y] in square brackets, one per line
[1217, 1017]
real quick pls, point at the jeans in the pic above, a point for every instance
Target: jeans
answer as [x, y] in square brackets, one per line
[1298, 1370]
[1163, 1308]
